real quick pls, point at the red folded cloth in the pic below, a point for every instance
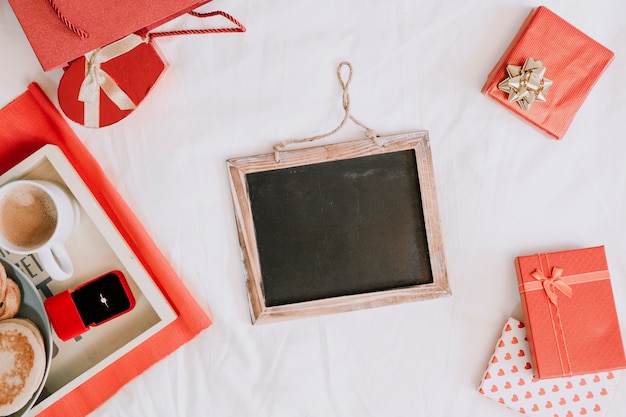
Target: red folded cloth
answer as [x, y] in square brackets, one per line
[28, 123]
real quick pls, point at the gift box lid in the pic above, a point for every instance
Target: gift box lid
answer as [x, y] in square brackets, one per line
[573, 62]
[569, 312]
[48, 24]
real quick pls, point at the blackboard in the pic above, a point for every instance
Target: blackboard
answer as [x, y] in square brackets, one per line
[339, 227]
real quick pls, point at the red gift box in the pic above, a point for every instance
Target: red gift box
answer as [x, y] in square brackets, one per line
[107, 84]
[61, 31]
[572, 61]
[569, 312]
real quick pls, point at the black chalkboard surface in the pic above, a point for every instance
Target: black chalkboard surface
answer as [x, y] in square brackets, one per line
[339, 227]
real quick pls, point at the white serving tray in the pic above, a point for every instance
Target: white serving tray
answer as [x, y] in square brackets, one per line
[95, 248]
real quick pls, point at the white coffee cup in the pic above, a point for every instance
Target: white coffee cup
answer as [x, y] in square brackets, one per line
[38, 217]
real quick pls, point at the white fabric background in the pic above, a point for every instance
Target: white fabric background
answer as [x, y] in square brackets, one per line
[504, 190]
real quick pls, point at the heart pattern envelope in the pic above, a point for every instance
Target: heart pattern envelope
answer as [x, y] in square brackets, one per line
[509, 380]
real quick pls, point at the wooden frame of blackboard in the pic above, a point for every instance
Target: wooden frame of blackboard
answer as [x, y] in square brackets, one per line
[417, 142]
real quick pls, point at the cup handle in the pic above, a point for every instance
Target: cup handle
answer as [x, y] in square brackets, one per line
[56, 262]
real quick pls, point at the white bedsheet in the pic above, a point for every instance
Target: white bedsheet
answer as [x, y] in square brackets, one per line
[504, 188]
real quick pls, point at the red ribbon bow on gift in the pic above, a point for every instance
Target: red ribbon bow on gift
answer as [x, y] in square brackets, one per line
[552, 283]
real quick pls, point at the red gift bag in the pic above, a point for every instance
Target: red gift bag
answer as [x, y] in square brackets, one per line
[61, 31]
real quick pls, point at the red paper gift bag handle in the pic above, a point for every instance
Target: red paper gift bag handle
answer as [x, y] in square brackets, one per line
[81, 33]
[238, 26]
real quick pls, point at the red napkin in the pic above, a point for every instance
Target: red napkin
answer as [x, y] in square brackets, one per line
[28, 123]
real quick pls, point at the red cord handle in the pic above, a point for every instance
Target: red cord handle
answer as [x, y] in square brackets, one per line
[238, 26]
[81, 33]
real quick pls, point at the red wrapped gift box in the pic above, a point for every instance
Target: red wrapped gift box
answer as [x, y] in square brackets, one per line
[54, 27]
[107, 84]
[572, 61]
[569, 312]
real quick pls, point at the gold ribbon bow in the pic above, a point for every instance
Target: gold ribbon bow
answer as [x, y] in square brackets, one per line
[526, 84]
[552, 283]
[97, 79]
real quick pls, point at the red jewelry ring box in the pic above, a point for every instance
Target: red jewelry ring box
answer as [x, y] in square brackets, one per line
[93, 303]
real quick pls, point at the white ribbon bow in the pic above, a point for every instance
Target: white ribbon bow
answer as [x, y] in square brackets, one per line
[97, 79]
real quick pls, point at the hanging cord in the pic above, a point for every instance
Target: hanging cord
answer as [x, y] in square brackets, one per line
[238, 26]
[81, 33]
[346, 107]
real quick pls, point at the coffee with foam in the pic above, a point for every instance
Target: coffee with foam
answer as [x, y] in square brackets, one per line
[28, 216]
[38, 217]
